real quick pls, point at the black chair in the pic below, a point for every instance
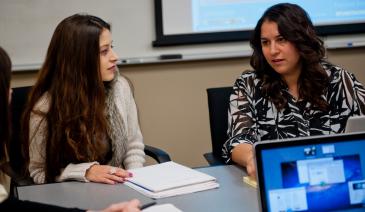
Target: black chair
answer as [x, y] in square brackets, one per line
[158, 154]
[16, 165]
[16, 159]
[218, 104]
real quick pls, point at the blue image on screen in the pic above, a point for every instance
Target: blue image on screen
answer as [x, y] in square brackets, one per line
[221, 15]
[325, 197]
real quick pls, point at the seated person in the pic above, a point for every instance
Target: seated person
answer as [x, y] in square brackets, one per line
[81, 119]
[292, 90]
[12, 204]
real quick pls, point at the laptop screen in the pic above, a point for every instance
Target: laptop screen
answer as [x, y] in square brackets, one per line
[312, 174]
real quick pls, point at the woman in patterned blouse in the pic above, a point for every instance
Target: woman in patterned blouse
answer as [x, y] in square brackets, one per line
[292, 91]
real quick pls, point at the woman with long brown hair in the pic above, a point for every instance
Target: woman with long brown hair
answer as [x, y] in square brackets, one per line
[12, 204]
[292, 91]
[81, 119]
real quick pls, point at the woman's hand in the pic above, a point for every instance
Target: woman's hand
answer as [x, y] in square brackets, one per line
[106, 174]
[130, 206]
[250, 166]
[242, 154]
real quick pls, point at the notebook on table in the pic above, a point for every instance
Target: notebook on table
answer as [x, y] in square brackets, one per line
[169, 179]
[323, 173]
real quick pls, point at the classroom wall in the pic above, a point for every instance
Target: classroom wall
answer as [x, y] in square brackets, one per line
[172, 101]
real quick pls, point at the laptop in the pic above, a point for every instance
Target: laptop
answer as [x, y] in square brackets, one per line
[319, 173]
[355, 124]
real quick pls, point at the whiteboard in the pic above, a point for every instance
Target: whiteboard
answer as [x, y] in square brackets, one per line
[26, 27]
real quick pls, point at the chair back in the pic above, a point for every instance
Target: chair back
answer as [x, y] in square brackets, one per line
[15, 168]
[218, 104]
[18, 103]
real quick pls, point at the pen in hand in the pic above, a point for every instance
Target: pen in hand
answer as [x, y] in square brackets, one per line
[144, 206]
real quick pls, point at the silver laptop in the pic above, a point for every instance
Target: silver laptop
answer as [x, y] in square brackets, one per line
[355, 124]
[319, 173]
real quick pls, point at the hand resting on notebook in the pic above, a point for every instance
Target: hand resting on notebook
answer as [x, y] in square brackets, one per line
[107, 174]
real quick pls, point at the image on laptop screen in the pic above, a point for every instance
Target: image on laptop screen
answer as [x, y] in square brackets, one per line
[312, 174]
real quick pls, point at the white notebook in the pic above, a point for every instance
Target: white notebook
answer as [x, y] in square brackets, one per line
[162, 208]
[169, 179]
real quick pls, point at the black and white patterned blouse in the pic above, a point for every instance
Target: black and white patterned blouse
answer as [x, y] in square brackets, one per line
[253, 118]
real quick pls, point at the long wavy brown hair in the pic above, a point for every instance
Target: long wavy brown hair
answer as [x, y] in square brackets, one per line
[295, 26]
[5, 75]
[70, 77]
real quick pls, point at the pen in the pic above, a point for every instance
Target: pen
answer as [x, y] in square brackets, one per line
[144, 206]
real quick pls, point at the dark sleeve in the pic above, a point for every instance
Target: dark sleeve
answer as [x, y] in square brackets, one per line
[12, 204]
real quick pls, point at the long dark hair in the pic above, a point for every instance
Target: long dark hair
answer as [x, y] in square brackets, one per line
[5, 75]
[295, 26]
[71, 79]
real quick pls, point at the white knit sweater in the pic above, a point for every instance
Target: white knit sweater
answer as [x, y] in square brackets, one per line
[134, 158]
